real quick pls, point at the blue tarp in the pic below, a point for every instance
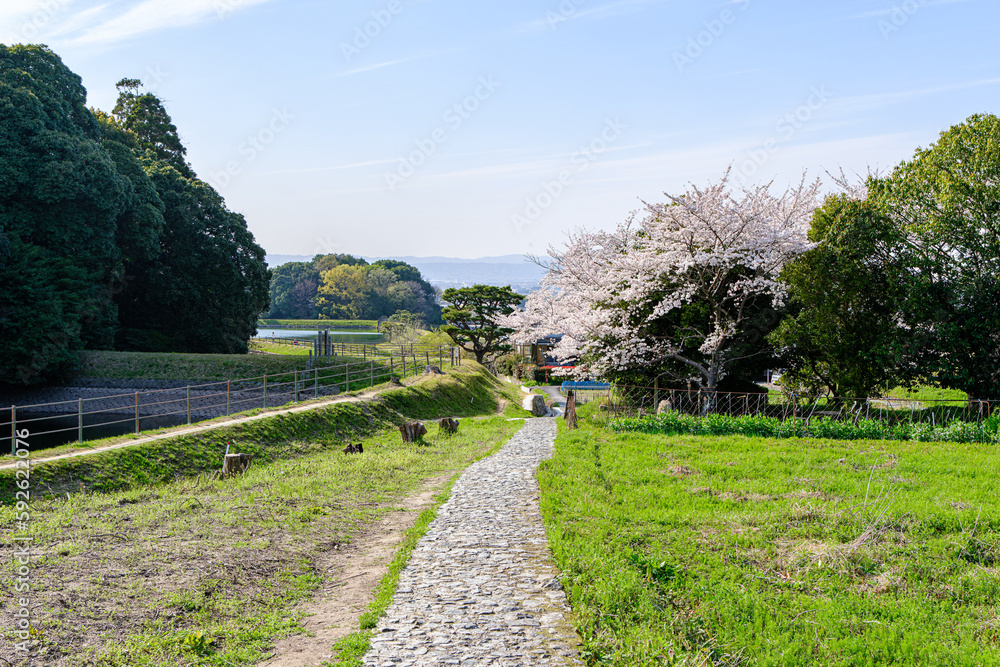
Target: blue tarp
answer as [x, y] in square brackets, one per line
[577, 385]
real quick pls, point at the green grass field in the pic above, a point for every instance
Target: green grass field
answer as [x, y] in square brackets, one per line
[694, 550]
[141, 558]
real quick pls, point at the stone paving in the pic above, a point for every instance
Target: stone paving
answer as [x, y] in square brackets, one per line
[480, 588]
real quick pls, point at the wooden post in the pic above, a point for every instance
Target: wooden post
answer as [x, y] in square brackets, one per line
[371, 373]
[79, 420]
[656, 395]
[570, 414]
[265, 390]
[13, 430]
[295, 382]
[137, 413]
[392, 364]
[315, 383]
[229, 393]
[347, 372]
[189, 404]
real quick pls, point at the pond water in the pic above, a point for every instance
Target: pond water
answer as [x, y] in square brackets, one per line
[310, 334]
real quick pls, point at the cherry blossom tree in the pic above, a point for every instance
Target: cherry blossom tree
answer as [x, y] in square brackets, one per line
[678, 287]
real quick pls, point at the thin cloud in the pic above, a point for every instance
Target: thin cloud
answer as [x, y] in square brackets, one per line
[154, 15]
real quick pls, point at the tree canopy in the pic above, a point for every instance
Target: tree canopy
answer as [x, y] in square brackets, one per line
[474, 318]
[687, 292]
[347, 287]
[100, 230]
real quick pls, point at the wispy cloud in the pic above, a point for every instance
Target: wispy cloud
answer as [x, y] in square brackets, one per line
[861, 103]
[154, 15]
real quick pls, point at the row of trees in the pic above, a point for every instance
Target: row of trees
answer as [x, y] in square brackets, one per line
[341, 286]
[891, 281]
[107, 238]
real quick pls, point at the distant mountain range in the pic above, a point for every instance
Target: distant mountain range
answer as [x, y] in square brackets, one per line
[445, 272]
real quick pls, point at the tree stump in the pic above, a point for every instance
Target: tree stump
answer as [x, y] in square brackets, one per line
[570, 414]
[413, 431]
[354, 449]
[236, 464]
[449, 425]
[432, 370]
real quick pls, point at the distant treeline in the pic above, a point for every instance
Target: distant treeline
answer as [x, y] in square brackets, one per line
[108, 239]
[344, 287]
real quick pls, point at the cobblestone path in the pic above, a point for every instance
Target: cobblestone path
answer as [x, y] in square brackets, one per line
[480, 588]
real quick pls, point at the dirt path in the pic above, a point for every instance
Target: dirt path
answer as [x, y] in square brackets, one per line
[188, 430]
[333, 613]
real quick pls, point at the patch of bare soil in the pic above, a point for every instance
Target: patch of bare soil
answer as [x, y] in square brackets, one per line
[359, 567]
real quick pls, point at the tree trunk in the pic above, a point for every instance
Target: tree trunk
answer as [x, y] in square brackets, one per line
[413, 431]
[236, 464]
[570, 414]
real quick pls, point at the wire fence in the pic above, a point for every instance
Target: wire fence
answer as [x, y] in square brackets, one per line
[634, 401]
[198, 402]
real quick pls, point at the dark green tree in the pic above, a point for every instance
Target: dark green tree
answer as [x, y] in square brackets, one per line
[209, 283]
[61, 197]
[847, 293]
[473, 318]
[947, 200]
[144, 115]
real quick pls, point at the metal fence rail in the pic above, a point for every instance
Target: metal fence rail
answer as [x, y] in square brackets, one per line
[199, 402]
[630, 401]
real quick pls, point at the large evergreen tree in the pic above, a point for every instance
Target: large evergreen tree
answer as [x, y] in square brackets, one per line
[61, 196]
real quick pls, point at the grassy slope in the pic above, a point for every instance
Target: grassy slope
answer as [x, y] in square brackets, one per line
[150, 571]
[182, 366]
[734, 550]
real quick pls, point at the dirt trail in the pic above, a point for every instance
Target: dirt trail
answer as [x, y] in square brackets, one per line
[333, 613]
[188, 430]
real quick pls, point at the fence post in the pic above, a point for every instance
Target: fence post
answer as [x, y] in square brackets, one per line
[428, 355]
[316, 383]
[392, 366]
[137, 413]
[229, 387]
[347, 376]
[656, 394]
[13, 430]
[265, 391]
[189, 404]
[371, 372]
[295, 383]
[79, 420]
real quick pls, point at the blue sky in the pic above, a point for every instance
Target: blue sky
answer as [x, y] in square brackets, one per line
[437, 127]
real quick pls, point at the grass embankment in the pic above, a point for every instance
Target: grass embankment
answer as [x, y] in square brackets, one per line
[735, 550]
[140, 559]
[177, 366]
